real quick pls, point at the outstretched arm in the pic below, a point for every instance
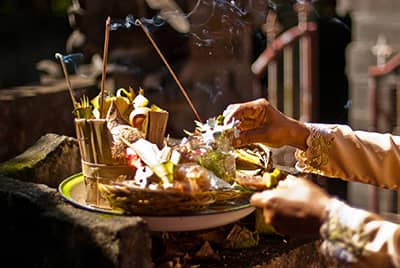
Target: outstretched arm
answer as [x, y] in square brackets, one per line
[259, 121]
[330, 150]
[338, 151]
[350, 236]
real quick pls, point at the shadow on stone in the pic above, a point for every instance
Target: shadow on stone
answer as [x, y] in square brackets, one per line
[39, 229]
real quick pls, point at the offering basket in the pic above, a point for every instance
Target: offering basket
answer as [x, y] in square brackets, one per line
[105, 177]
[98, 166]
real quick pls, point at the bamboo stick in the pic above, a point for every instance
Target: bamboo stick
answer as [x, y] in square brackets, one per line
[169, 69]
[67, 80]
[105, 58]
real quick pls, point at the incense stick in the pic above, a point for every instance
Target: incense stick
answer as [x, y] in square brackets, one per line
[66, 76]
[169, 69]
[105, 58]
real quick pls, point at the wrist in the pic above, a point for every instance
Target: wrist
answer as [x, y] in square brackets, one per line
[344, 232]
[299, 133]
[328, 204]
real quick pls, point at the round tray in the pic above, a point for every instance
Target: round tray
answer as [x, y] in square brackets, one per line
[73, 191]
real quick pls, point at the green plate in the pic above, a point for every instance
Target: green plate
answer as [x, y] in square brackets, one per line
[72, 190]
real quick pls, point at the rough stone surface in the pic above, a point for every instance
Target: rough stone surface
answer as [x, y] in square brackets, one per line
[370, 19]
[50, 160]
[29, 112]
[272, 251]
[369, 26]
[277, 253]
[39, 229]
[306, 254]
[359, 57]
[372, 5]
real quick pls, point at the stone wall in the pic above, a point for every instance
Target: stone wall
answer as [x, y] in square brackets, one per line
[29, 112]
[369, 20]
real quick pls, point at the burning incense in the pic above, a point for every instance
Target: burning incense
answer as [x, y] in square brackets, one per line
[67, 80]
[105, 57]
[169, 69]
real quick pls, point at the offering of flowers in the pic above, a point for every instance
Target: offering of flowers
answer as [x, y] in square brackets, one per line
[124, 168]
[169, 177]
[128, 163]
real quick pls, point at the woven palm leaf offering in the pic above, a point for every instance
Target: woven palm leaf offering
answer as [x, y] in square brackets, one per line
[128, 164]
[188, 176]
[248, 169]
[102, 140]
[255, 169]
[194, 174]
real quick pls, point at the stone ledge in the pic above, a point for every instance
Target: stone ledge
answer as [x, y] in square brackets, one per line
[78, 83]
[40, 230]
[51, 159]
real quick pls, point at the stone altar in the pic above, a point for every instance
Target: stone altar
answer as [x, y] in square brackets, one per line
[41, 230]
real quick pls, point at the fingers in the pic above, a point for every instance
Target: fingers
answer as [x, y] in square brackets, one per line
[289, 182]
[249, 136]
[294, 207]
[250, 114]
[270, 198]
[230, 112]
[261, 199]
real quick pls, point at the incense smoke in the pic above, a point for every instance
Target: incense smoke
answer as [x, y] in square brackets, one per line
[125, 24]
[214, 24]
[130, 21]
[73, 60]
[204, 16]
[217, 22]
[227, 15]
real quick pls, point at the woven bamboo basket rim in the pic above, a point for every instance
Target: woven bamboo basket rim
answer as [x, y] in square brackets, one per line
[133, 199]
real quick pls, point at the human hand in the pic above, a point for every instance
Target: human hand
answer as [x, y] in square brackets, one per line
[296, 207]
[259, 121]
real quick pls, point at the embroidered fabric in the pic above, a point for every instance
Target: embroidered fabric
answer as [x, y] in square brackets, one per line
[317, 152]
[344, 237]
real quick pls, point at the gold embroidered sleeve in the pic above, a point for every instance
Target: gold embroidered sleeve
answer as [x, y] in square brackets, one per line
[339, 152]
[316, 156]
[358, 238]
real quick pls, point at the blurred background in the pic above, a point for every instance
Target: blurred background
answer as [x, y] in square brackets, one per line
[319, 61]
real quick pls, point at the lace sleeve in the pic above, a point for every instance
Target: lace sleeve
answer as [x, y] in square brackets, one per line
[356, 237]
[339, 152]
[317, 154]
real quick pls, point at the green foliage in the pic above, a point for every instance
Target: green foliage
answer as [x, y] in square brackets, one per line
[84, 109]
[263, 227]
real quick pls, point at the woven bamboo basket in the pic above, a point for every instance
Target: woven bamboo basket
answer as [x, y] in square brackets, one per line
[134, 200]
[98, 167]
[103, 175]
